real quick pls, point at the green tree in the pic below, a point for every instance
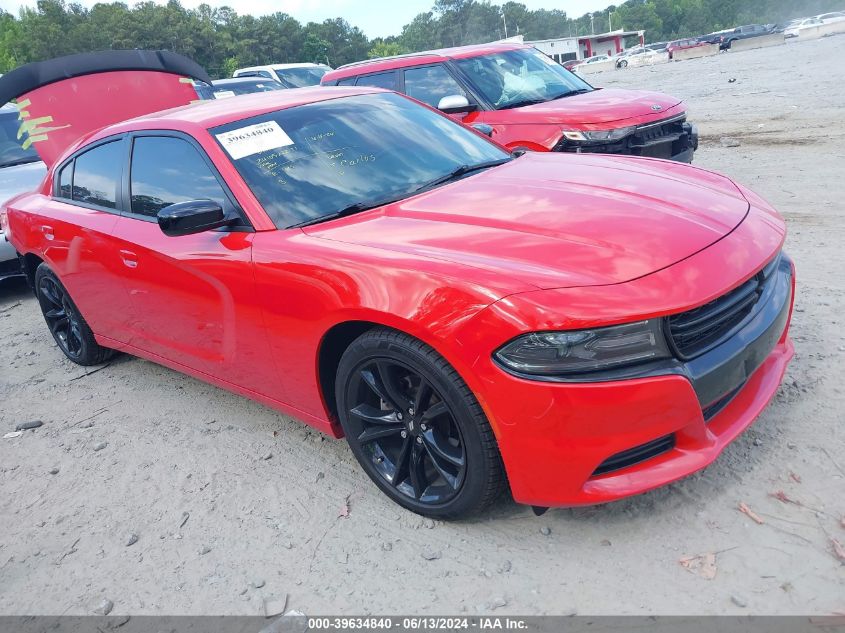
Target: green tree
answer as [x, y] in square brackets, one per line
[382, 48]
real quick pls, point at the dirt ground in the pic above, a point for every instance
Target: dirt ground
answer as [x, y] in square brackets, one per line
[221, 528]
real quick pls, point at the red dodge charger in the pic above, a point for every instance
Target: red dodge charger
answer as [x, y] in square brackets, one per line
[578, 328]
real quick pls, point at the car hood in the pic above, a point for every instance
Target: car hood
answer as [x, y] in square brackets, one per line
[607, 105]
[20, 179]
[558, 220]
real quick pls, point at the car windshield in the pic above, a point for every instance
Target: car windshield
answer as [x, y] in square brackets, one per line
[302, 77]
[11, 152]
[232, 88]
[320, 160]
[510, 79]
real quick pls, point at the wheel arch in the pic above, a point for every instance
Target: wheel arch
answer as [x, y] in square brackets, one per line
[337, 338]
[335, 341]
[30, 263]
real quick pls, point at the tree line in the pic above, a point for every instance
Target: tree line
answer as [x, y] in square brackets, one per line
[222, 40]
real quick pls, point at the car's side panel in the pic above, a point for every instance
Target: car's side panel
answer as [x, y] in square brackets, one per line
[307, 285]
[76, 243]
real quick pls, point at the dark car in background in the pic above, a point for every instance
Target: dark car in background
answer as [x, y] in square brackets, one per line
[744, 32]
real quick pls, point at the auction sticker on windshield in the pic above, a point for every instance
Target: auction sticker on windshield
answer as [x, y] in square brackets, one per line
[254, 139]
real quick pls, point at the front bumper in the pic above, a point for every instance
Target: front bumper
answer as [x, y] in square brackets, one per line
[583, 443]
[673, 139]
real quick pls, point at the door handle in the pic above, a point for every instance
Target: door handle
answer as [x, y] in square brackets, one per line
[47, 231]
[130, 260]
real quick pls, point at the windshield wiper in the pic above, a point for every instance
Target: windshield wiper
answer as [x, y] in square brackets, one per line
[579, 91]
[366, 205]
[461, 170]
[519, 104]
[357, 207]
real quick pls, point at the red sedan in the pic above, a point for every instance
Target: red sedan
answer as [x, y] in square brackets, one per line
[682, 45]
[578, 328]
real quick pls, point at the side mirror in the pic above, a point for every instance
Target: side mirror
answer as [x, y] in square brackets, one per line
[194, 216]
[454, 104]
[486, 130]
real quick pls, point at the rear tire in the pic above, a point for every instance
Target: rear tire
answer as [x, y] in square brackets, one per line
[65, 321]
[623, 63]
[416, 428]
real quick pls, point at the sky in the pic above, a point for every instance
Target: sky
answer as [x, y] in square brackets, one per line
[377, 18]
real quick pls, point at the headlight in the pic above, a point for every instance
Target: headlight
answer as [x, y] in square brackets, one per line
[578, 351]
[599, 136]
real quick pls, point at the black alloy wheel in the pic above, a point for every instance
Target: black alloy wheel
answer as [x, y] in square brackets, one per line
[65, 321]
[61, 316]
[415, 427]
[408, 431]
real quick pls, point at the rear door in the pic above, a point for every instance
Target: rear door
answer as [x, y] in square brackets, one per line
[75, 227]
[193, 296]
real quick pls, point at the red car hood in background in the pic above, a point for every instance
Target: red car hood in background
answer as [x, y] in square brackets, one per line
[592, 108]
[62, 100]
[557, 220]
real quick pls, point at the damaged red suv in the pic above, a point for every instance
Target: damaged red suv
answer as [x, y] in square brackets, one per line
[576, 328]
[531, 102]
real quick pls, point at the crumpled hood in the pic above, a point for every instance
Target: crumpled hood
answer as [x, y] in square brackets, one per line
[558, 220]
[597, 107]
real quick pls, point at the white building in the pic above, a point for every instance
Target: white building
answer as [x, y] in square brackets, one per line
[563, 49]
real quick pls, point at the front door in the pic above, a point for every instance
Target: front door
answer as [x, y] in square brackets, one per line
[193, 296]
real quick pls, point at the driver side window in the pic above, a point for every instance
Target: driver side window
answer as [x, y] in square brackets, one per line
[166, 170]
[430, 84]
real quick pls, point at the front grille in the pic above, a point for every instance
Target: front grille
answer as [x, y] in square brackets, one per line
[636, 455]
[649, 134]
[697, 330]
[663, 139]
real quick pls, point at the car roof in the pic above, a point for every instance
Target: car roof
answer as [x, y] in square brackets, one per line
[419, 59]
[202, 115]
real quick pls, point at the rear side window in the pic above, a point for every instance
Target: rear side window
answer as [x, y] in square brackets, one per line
[66, 181]
[96, 175]
[166, 170]
[379, 80]
[349, 81]
[430, 84]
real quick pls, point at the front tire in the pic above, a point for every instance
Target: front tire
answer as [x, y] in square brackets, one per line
[65, 321]
[622, 64]
[416, 428]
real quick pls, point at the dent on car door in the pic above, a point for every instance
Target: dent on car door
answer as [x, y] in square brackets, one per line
[75, 230]
[193, 295]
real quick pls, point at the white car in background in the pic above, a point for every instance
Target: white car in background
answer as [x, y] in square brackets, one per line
[794, 29]
[289, 75]
[21, 170]
[835, 16]
[640, 56]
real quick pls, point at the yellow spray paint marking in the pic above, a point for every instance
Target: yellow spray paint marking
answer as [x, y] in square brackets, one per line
[32, 127]
[33, 139]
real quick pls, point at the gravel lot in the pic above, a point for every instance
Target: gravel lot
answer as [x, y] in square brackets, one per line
[234, 505]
